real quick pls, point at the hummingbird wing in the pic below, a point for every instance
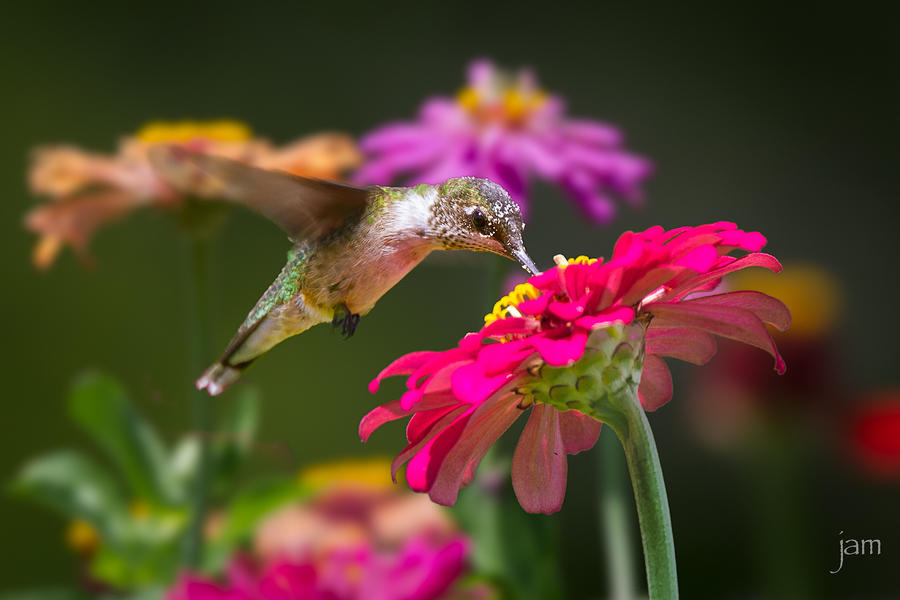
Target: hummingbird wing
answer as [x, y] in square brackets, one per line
[303, 207]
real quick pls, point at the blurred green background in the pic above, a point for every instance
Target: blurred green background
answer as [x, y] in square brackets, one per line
[781, 120]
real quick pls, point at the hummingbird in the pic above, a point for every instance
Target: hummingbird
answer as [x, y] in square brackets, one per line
[350, 244]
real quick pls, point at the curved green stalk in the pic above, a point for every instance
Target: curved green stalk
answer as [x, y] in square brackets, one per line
[631, 426]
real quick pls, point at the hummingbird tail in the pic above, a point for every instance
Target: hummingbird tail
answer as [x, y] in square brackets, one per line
[217, 378]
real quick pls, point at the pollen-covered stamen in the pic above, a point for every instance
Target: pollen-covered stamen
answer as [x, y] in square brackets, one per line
[506, 306]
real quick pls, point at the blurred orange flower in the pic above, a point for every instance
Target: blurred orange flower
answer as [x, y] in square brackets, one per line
[87, 190]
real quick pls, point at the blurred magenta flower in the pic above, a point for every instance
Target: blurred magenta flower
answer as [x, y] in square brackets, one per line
[356, 536]
[505, 128]
[565, 340]
[420, 570]
[87, 190]
[875, 434]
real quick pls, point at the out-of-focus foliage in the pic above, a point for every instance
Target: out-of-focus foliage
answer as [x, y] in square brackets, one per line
[128, 516]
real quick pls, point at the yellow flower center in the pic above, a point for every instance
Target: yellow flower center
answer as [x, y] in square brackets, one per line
[521, 293]
[223, 130]
[510, 105]
[506, 306]
[370, 473]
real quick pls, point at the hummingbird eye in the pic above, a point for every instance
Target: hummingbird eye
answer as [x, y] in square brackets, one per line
[479, 220]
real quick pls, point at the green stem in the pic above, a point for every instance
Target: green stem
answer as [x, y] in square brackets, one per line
[631, 426]
[200, 409]
[614, 515]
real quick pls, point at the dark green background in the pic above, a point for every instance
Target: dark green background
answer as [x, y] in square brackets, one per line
[783, 121]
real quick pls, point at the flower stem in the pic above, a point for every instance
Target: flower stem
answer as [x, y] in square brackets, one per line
[616, 525]
[633, 430]
[200, 409]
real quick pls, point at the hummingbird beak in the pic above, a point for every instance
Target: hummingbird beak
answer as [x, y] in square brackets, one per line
[520, 255]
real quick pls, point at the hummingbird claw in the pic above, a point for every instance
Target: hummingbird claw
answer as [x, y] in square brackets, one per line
[350, 325]
[346, 320]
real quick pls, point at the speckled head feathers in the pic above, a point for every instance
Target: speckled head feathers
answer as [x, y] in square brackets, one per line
[478, 214]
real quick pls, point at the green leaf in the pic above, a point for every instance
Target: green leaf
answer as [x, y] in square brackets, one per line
[99, 404]
[76, 487]
[246, 510]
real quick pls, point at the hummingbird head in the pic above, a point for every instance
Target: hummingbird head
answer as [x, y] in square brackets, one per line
[478, 214]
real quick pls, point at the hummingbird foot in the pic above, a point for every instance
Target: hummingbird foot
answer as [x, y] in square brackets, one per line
[346, 320]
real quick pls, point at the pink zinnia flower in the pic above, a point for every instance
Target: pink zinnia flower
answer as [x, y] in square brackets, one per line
[508, 130]
[563, 342]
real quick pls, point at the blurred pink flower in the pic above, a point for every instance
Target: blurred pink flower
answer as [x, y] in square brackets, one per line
[539, 345]
[350, 508]
[506, 129]
[87, 190]
[419, 570]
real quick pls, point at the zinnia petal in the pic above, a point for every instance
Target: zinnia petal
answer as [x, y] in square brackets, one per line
[499, 358]
[770, 310]
[414, 447]
[423, 468]
[579, 432]
[683, 343]
[471, 384]
[727, 321]
[655, 388]
[757, 259]
[405, 365]
[487, 424]
[560, 352]
[539, 463]
[611, 316]
[379, 416]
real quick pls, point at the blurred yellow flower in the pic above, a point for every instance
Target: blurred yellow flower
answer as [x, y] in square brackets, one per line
[370, 473]
[87, 190]
[224, 130]
[810, 292]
